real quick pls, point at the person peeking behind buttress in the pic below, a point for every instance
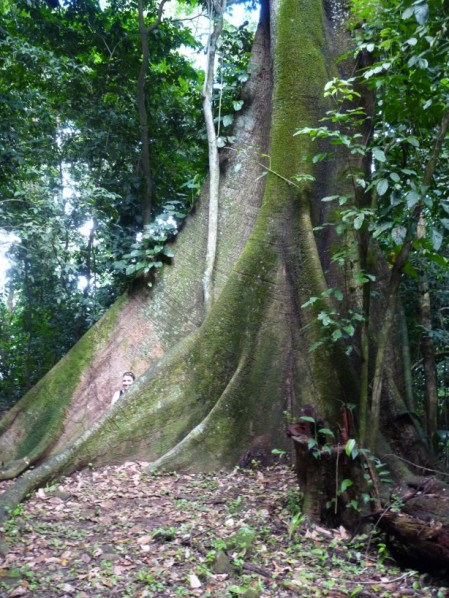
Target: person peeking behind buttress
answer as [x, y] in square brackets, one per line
[127, 381]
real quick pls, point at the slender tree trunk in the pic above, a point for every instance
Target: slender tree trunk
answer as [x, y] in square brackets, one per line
[145, 150]
[406, 360]
[90, 258]
[216, 11]
[427, 346]
[143, 120]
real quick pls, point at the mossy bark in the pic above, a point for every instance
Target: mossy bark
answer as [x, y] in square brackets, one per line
[213, 387]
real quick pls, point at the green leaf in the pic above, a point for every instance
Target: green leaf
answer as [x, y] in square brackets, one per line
[412, 141]
[349, 329]
[358, 221]
[120, 265]
[306, 418]
[337, 334]
[311, 301]
[325, 318]
[319, 158]
[408, 12]
[350, 446]
[379, 154]
[421, 12]
[437, 239]
[326, 432]
[311, 443]
[382, 186]
[410, 270]
[338, 294]
[438, 259]
[228, 119]
[382, 228]
[315, 346]
[412, 199]
[345, 485]
[238, 104]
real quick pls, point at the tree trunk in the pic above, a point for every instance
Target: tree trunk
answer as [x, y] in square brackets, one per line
[145, 150]
[145, 158]
[216, 10]
[427, 346]
[212, 388]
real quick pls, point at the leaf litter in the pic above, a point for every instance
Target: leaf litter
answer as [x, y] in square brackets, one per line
[118, 531]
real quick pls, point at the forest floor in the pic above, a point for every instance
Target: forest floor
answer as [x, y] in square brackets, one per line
[116, 531]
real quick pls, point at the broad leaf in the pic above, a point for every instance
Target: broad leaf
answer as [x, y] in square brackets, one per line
[382, 186]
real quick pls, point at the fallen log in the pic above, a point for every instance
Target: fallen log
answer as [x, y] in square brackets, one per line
[417, 526]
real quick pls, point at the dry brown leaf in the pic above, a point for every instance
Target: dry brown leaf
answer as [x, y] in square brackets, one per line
[107, 583]
[68, 588]
[19, 591]
[194, 582]
[144, 539]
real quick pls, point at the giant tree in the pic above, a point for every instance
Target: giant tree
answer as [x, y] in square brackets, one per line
[213, 387]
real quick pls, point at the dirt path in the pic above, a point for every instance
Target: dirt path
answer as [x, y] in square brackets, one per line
[119, 532]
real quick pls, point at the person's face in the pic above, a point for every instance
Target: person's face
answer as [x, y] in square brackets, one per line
[126, 382]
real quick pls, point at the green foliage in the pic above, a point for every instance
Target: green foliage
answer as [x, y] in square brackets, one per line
[233, 53]
[150, 250]
[333, 325]
[410, 77]
[295, 522]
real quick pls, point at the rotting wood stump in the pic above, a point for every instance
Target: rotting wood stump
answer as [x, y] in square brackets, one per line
[333, 483]
[415, 519]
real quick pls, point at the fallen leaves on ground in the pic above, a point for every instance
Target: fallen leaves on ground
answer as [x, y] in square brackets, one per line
[117, 531]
